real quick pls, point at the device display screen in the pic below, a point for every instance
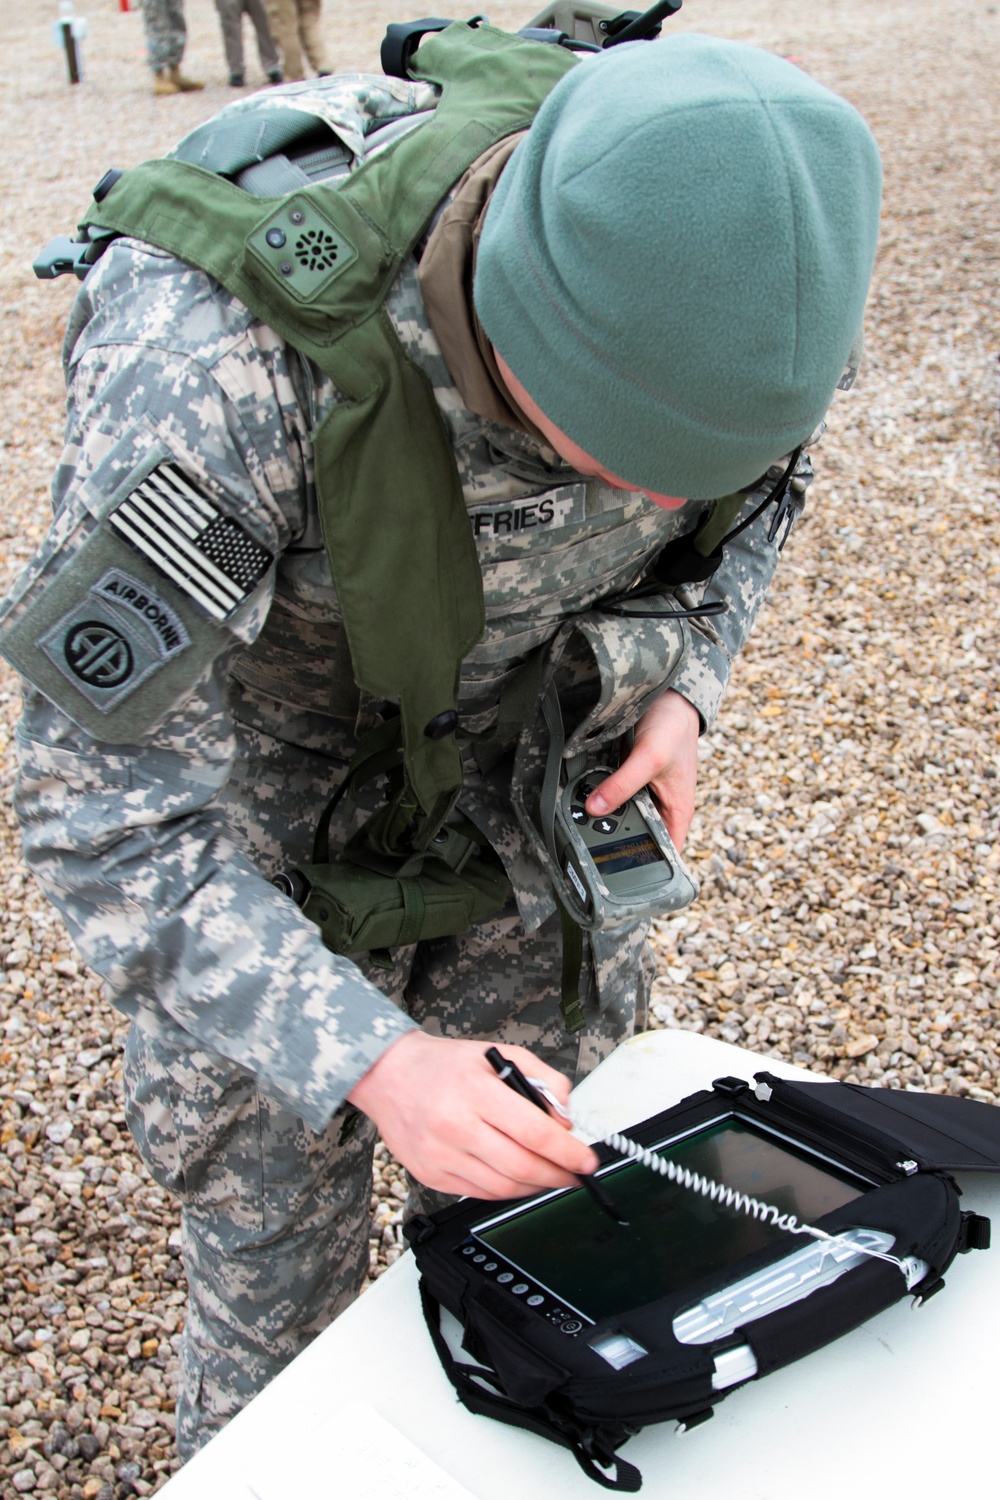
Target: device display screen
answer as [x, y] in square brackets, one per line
[674, 1236]
[625, 854]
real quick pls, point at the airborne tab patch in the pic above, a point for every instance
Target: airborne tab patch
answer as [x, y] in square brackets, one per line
[114, 639]
[175, 526]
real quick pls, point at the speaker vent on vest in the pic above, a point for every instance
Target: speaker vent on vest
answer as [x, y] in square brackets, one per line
[316, 250]
[299, 248]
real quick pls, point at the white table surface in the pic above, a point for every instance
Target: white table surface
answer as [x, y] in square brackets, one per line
[903, 1406]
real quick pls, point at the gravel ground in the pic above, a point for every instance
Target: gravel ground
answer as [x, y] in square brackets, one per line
[847, 833]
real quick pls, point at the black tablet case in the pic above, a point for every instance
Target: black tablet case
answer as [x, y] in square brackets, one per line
[529, 1375]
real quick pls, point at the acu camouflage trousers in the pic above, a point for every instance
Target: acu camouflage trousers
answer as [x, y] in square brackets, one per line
[166, 33]
[275, 1215]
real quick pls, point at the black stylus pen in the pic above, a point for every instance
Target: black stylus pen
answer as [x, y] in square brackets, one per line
[510, 1074]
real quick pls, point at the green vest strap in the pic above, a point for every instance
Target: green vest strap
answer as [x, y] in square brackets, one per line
[414, 908]
[717, 523]
[572, 965]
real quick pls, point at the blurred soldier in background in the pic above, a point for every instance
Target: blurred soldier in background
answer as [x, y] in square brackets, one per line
[297, 29]
[166, 34]
[231, 13]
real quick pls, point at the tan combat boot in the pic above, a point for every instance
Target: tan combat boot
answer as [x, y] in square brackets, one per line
[164, 84]
[182, 84]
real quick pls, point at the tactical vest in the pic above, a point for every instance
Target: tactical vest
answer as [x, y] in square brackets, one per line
[316, 266]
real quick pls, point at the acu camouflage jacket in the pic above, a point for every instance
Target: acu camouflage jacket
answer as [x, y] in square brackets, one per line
[181, 404]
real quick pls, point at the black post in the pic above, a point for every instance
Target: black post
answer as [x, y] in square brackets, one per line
[72, 54]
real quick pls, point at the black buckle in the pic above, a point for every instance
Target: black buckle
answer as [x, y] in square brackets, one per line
[419, 1229]
[62, 256]
[973, 1233]
[928, 1288]
[782, 497]
[680, 562]
[695, 1419]
[636, 26]
[402, 39]
[595, 1445]
[730, 1086]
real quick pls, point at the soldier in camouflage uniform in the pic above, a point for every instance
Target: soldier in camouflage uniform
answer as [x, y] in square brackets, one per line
[166, 35]
[231, 13]
[260, 1066]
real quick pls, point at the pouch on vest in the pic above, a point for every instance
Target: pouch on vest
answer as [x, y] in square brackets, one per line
[370, 900]
[359, 909]
[584, 1332]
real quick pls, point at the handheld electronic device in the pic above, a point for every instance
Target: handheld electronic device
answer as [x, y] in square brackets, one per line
[623, 859]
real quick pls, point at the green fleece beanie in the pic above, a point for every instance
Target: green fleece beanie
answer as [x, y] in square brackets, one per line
[675, 260]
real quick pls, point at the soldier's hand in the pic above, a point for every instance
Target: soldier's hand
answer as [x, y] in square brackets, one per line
[664, 757]
[444, 1113]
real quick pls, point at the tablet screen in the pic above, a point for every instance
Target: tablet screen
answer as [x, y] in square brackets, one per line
[674, 1236]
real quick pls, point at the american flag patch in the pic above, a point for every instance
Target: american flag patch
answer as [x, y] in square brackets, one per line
[188, 539]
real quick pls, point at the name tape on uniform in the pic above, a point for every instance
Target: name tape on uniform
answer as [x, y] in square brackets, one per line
[499, 522]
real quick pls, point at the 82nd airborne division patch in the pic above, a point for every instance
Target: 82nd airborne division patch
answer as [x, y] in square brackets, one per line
[114, 639]
[117, 630]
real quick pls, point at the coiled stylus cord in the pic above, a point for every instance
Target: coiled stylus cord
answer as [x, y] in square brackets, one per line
[717, 1192]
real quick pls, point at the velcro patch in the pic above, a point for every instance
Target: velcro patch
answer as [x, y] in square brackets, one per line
[107, 639]
[169, 519]
[115, 637]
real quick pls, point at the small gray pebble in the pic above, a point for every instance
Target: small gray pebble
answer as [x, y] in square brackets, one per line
[57, 1441]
